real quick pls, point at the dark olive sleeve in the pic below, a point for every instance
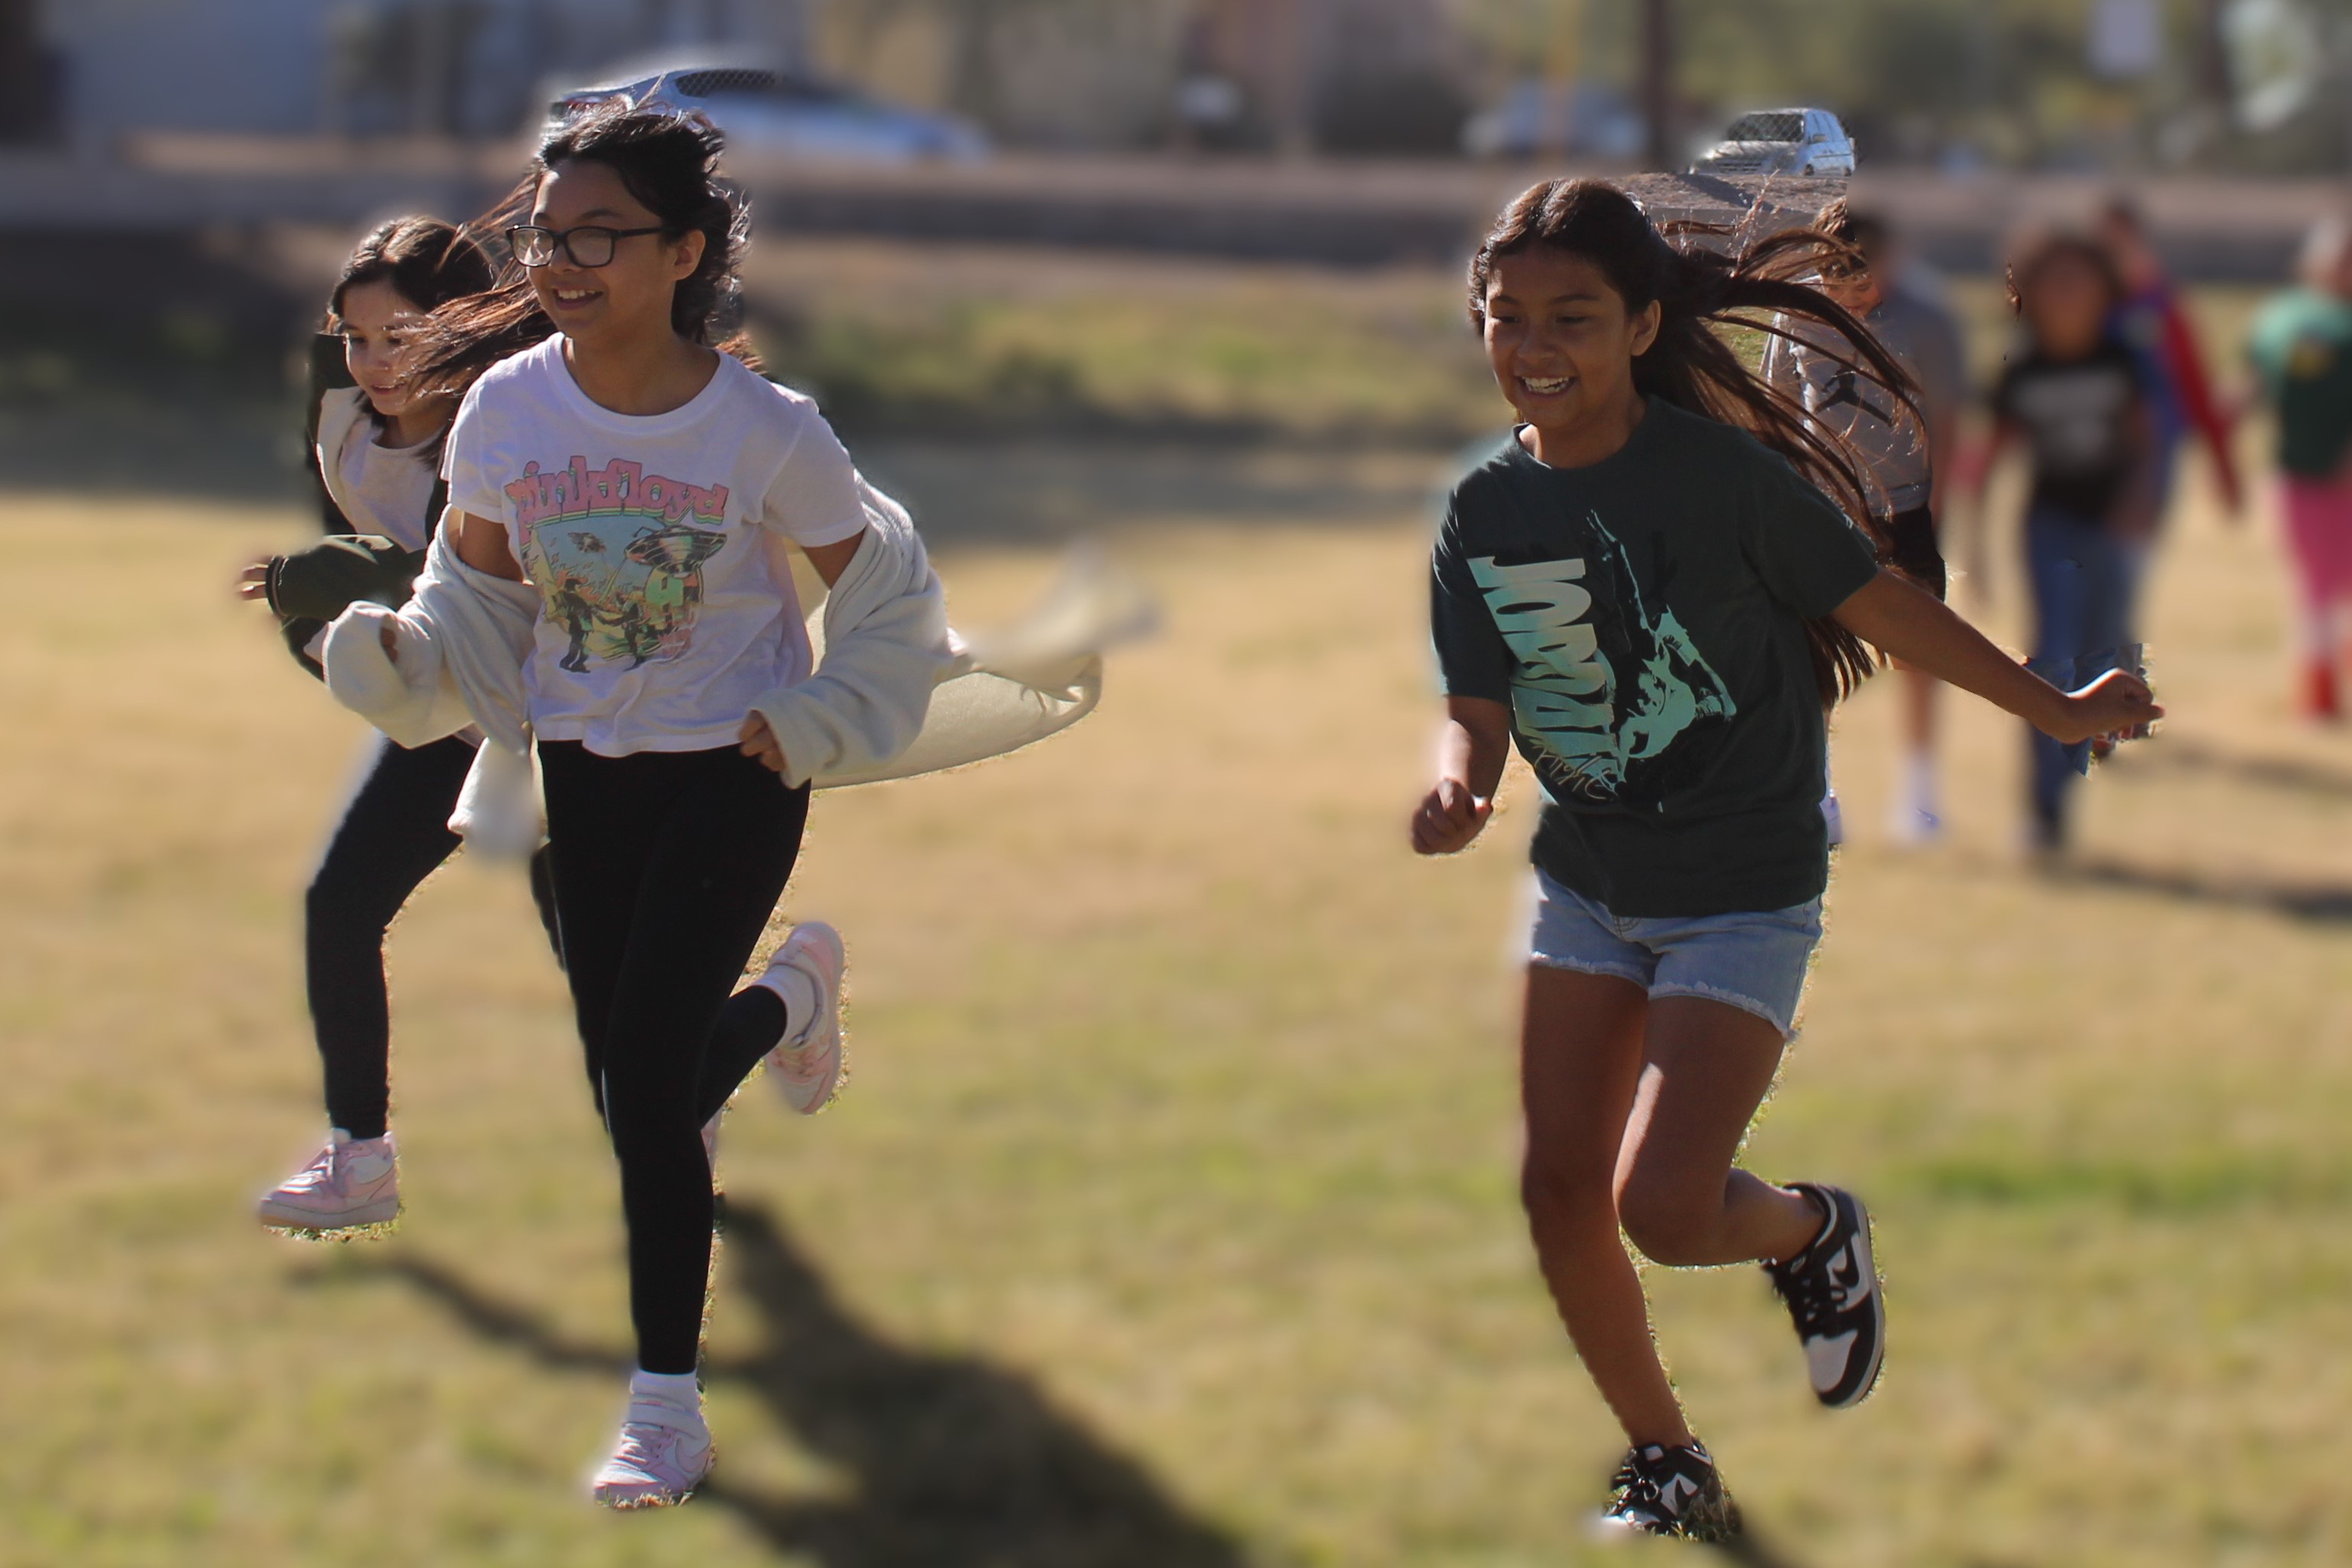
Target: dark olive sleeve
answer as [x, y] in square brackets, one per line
[326, 579]
[1472, 660]
[312, 586]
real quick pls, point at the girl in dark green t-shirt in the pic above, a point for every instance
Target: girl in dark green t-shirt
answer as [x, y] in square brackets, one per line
[1652, 590]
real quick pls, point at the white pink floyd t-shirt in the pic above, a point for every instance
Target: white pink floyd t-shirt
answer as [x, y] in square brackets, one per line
[659, 544]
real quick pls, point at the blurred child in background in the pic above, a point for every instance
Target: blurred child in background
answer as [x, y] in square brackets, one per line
[2076, 395]
[2302, 352]
[2149, 322]
[1903, 451]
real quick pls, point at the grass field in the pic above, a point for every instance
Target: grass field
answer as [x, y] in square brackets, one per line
[1169, 1221]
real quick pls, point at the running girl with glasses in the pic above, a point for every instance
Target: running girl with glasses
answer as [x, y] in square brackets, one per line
[1652, 590]
[623, 499]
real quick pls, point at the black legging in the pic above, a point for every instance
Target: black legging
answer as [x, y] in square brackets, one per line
[393, 835]
[667, 865]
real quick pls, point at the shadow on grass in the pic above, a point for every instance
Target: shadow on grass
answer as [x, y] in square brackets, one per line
[2285, 774]
[2316, 903]
[1045, 490]
[954, 1461]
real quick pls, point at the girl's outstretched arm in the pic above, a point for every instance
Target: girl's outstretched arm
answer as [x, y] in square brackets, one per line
[1909, 623]
[1471, 751]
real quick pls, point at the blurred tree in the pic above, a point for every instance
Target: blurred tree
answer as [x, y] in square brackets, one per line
[2008, 81]
[27, 71]
[975, 31]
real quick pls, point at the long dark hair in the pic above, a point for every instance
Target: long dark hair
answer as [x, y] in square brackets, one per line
[669, 163]
[1700, 292]
[427, 263]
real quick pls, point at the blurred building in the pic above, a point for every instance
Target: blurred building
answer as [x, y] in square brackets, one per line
[357, 66]
[1338, 75]
[1372, 76]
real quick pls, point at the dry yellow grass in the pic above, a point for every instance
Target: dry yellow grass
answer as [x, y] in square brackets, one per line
[1170, 1219]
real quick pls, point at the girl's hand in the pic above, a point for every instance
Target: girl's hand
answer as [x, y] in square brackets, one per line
[253, 583]
[1449, 818]
[2117, 704]
[760, 741]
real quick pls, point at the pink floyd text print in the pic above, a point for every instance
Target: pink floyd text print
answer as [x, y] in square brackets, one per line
[617, 555]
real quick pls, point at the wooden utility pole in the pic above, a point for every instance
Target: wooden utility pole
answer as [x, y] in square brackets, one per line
[24, 91]
[1658, 81]
[2213, 77]
[1561, 66]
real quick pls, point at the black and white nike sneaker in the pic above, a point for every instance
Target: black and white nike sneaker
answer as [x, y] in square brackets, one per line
[1669, 1491]
[1832, 1294]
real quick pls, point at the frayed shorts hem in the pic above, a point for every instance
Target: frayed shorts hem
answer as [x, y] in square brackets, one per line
[1754, 960]
[1748, 1004]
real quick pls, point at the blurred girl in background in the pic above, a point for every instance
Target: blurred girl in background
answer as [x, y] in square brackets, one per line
[2302, 352]
[2147, 319]
[2076, 396]
[1650, 591]
[374, 449]
[1904, 445]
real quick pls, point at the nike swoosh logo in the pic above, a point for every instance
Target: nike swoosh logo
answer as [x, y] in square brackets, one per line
[1851, 1285]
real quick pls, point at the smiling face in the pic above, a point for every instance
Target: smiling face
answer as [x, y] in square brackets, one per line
[1560, 339]
[372, 315]
[630, 295]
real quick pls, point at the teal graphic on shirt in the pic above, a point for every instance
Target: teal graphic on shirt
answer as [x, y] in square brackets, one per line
[1597, 710]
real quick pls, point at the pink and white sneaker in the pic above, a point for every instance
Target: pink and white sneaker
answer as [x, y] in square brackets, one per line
[351, 1185]
[806, 973]
[664, 1452]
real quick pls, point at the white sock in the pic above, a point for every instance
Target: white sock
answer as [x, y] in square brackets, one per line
[1920, 772]
[367, 1158]
[797, 990]
[678, 1389]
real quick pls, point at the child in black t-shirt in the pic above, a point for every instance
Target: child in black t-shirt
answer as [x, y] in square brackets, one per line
[2075, 397]
[1655, 606]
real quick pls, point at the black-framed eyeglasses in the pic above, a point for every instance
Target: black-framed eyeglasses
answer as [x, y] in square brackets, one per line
[590, 245]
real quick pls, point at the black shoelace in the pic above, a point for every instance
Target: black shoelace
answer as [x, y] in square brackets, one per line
[1805, 1286]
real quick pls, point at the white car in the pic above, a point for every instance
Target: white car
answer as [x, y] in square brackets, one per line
[765, 109]
[1780, 142]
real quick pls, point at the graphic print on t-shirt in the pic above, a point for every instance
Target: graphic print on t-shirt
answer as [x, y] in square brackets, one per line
[618, 556]
[1603, 689]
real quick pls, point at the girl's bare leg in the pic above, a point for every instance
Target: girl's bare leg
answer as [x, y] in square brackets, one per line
[1706, 1068]
[1580, 1063]
[1918, 710]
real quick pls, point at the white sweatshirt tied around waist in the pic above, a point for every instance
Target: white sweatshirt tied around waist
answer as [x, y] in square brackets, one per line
[895, 692]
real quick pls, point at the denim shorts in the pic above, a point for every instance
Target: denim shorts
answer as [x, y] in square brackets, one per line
[1751, 960]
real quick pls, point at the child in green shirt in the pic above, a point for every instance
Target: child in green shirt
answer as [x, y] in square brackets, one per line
[2302, 352]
